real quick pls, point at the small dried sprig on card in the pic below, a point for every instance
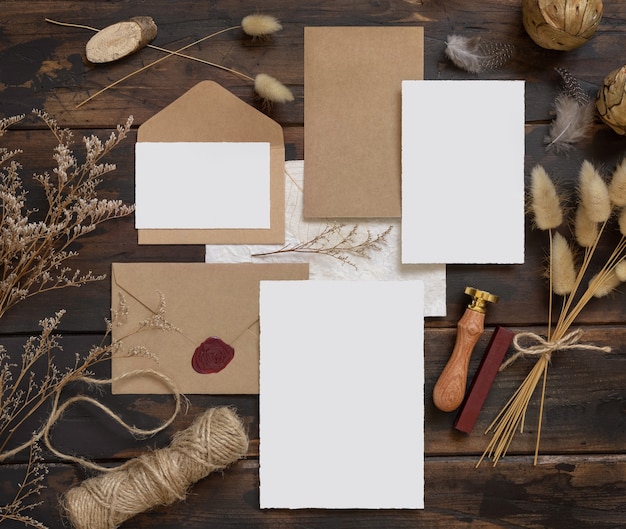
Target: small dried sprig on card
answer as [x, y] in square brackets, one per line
[339, 241]
[257, 26]
[575, 113]
[35, 246]
[475, 55]
[599, 207]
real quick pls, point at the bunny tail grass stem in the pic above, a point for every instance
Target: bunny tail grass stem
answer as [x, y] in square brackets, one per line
[539, 422]
[550, 300]
[149, 65]
[165, 50]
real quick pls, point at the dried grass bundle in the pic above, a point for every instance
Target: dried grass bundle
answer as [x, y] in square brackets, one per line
[585, 229]
[564, 269]
[617, 187]
[566, 276]
[594, 193]
[545, 202]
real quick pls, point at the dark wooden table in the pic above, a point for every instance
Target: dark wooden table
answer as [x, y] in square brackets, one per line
[580, 479]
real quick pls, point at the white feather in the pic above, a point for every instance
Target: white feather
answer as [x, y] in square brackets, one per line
[572, 123]
[475, 55]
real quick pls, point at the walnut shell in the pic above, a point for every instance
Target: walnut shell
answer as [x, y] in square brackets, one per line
[611, 101]
[561, 24]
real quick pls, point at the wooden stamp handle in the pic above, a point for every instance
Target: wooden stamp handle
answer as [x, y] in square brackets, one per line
[449, 390]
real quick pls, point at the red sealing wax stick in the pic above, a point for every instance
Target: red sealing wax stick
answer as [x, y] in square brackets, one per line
[483, 379]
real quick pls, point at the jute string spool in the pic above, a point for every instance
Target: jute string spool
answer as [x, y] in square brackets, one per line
[213, 441]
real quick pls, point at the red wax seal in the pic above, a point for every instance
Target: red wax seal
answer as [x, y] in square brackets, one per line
[212, 355]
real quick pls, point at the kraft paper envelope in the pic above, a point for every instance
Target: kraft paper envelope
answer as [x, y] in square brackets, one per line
[210, 113]
[200, 301]
[352, 117]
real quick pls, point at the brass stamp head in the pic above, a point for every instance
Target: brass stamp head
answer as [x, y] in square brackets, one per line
[480, 298]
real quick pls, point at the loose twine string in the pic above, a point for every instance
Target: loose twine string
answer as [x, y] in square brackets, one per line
[542, 347]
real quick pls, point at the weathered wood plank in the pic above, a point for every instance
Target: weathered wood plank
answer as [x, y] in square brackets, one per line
[457, 496]
[521, 288]
[46, 65]
[585, 410]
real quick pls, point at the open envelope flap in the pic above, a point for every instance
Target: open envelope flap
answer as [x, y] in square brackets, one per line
[210, 113]
[196, 301]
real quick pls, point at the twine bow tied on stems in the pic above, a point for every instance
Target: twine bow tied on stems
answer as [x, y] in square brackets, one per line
[545, 348]
[512, 415]
[600, 204]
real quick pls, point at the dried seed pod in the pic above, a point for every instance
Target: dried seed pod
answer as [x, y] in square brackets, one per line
[611, 101]
[561, 24]
[121, 39]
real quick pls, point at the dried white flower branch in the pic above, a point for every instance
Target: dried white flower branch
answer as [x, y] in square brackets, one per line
[34, 248]
[33, 251]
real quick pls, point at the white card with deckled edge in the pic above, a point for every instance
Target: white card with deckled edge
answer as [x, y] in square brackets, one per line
[203, 185]
[342, 381]
[463, 172]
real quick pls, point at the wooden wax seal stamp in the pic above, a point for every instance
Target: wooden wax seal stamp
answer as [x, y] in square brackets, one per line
[449, 390]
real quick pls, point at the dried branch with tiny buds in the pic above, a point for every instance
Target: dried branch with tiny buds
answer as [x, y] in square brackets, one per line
[338, 241]
[34, 249]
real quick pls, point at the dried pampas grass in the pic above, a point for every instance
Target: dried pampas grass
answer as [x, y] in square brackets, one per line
[564, 269]
[617, 187]
[621, 222]
[594, 193]
[545, 203]
[585, 229]
[620, 270]
[260, 25]
[602, 284]
[271, 90]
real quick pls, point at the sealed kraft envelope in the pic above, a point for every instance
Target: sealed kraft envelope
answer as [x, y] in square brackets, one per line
[211, 313]
[211, 114]
[352, 117]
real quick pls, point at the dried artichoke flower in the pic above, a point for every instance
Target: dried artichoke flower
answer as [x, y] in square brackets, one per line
[560, 24]
[611, 101]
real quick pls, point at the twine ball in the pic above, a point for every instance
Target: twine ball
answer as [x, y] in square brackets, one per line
[212, 442]
[561, 24]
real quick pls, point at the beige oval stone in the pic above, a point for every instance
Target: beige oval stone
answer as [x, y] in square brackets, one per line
[121, 39]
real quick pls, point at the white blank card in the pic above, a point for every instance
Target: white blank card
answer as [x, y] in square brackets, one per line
[463, 172]
[203, 185]
[341, 394]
